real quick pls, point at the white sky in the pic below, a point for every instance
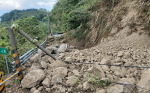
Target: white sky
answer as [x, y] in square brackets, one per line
[8, 5]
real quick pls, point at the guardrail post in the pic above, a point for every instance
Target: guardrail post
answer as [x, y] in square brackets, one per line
[2, 87]
[15, 54]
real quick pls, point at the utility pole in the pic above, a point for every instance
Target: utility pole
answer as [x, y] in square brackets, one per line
[50, 32]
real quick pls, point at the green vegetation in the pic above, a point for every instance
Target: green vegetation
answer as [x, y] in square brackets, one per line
[20, 14]
[77, 14]
[95, 80]
[32, 26]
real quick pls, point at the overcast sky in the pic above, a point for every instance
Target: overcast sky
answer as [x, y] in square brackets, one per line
[8, 5]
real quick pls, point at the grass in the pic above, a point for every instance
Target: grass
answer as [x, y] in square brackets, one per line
[95, 80]
[16, 81]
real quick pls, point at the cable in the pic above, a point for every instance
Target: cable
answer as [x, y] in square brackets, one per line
[130, 85]
[108, 65]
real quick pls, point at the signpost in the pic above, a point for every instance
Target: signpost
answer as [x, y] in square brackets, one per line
[4, 52]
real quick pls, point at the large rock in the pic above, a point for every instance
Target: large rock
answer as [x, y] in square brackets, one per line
[72, 80]
[62, 48]
[46, 83]
[33, 78]
[34, 58]
[62, 71]
[145, 79]
[121, 88]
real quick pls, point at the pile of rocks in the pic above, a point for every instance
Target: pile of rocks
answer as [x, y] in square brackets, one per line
[50, 76]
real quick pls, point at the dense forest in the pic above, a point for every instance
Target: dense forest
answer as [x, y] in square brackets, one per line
[19, 14]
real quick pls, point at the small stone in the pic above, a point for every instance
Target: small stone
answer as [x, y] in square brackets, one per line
[51, 60]
[62, 71]
[32, 89]
[120, 54]
[36, 91]
[48, 89]
[44, 64]
[59, 63]
[56, 79]
[127, 55]
[46, 82]
[69, 59]
[72, 80]
[101, 91]
[76, 72]
[40, 88]
[34, 58]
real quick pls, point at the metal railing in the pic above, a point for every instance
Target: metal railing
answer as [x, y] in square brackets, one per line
[27, 55]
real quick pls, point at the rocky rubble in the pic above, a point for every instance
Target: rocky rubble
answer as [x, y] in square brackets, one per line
[50, 76]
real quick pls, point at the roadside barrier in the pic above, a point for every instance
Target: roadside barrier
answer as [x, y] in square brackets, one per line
[3, 82]
[2, 86]
[27, 55]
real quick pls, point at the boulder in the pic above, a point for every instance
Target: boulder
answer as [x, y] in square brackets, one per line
[62, 71]
[145, 79]
[121, 88]
[46, 82]
[33, 78]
